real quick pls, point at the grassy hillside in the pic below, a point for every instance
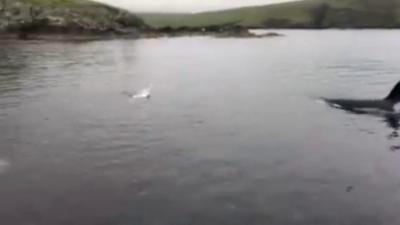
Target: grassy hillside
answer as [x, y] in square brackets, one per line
[299, 14]
[65, 16]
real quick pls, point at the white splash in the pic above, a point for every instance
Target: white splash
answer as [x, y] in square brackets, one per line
[144, 93]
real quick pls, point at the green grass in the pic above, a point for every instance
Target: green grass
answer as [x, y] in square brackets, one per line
[360, 12]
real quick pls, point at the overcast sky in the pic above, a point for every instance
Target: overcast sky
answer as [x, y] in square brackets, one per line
[185, 5]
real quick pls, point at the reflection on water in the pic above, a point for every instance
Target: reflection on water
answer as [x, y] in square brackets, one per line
[231, 135]
[390, 118]
[393, 123]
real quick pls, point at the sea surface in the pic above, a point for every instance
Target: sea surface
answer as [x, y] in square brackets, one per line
[232, 131]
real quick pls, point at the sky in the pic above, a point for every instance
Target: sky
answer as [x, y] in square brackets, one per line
[185, 5]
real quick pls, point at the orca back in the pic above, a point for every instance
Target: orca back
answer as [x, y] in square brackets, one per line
[394, 95]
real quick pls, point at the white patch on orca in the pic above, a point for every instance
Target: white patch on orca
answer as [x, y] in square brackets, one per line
[336, 105]
[324, 101]
[396, 108]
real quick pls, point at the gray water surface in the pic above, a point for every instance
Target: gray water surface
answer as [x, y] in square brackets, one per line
[234, 132]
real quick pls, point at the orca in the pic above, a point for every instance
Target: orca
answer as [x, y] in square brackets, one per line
[386, 104]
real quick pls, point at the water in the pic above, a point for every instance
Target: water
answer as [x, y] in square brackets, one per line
[233, 133]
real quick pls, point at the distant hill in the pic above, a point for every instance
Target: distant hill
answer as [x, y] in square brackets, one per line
[299, 14]
[65, 17]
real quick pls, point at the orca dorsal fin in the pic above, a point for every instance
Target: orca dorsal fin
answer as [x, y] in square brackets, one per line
[394, 95]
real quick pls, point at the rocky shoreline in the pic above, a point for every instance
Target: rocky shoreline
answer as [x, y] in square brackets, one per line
[52, 35]
[28, 19]
[87, 20]
[218, 31]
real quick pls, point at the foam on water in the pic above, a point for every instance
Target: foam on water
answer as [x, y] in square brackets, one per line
[143, 93]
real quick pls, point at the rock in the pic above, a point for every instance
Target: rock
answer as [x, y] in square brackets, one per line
[272, 34]
[349, 188]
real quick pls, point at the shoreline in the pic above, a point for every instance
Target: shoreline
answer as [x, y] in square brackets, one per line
[64, 37]
[155, 34]
[148, 34]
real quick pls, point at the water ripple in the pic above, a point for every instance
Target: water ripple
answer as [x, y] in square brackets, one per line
[4, 165]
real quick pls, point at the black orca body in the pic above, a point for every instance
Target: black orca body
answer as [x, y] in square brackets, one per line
[360, 106]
